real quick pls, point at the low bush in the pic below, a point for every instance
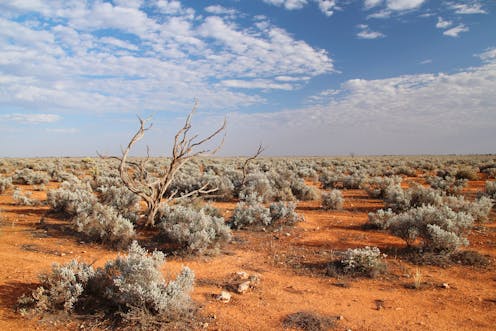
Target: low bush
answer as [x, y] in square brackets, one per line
[365, 261]
[439, 229]
[490, 189]
[284, 213]
[28, 176]
[5, 183]
[24, 199]
[103, 223]
[380, 218]
[59, 290]
[332, 200]
[250, 213]
[194, 232]
[130, 289]
[72, 198]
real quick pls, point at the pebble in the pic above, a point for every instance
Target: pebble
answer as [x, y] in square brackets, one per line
[243, 287]
[224, 296]
[445, 285]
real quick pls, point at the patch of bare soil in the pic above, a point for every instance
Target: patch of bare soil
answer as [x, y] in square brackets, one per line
[295, 288]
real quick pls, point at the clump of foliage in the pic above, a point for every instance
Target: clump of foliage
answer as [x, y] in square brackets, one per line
[365, 261]
[5, 183]
[450, 185]
[250, 213]
[439, 229]
[284, 213]
[104, 223]
[130, 290]
[380, 218]
[28, 176]
[376, 186]
[490, 189]
[24, 199]
[193, 231]
[59, 290]
[72, 198]
[332, 200]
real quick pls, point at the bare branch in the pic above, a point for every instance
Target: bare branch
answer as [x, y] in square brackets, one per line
[259, 151]
[152, 191]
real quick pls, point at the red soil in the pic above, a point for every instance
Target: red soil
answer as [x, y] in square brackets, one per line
[291, 264]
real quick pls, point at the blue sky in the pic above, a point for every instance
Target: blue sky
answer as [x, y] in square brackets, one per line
[304, 77]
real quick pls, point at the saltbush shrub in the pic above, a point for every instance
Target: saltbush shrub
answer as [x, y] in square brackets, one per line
[59, 290]
[5, 183]
[195, 232]
[332, 200]
[380, 218]
[130, 289]
[490, 189]
[439, 229]
[363, 261]
[28, 176]
[250, 213]
[103, 223]
[72, 198]
[24, 199]
[284, 213]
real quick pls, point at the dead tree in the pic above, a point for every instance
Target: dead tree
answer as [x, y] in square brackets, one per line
[153, 190]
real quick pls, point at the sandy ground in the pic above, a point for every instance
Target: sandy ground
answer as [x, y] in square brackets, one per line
[292, 265]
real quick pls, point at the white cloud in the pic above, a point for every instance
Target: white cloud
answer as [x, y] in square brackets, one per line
[454, 32]
[489, 55]
[119, 43]
[31, 118]
[288, 4]
[154, 62]
[366, 33]
[219, 10]
[382, 14]
[258, 84]
[400, 5]
[468, 8]
[368, 4]
[443, 24]
[423, 113]
[63, 130]
[327, 6]
[427, 61]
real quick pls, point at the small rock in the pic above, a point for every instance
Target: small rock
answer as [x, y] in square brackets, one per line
[287, 234]
[243, 287]
[242, 275]
[340, 318]
[83, 252]
[224, 296]
[62, 254]
[445, 285]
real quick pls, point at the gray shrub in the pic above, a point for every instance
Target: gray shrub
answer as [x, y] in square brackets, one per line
[332, 200]
[195, 232]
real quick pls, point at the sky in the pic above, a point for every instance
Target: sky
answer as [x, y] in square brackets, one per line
[302, 77]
